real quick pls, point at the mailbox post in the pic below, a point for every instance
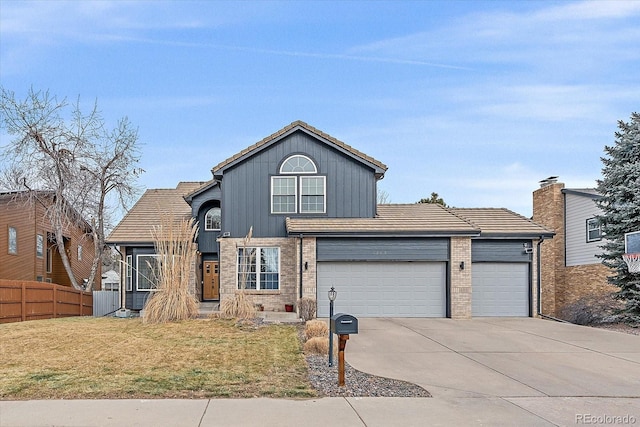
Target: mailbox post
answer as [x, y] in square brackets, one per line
[343, 325]
[332, 297]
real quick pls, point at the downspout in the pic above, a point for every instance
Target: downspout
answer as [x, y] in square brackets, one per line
[300, 266]
[539, 276]
[539, 284]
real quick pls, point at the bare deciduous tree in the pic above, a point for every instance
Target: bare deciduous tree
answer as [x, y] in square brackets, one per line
[84, 169]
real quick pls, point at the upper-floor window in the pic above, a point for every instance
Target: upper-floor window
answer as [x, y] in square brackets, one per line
[298, 164]
[594, 230]
[295, 190]
[13, 241]
[213, 219]
[39, 245]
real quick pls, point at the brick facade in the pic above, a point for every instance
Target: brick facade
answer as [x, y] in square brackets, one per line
[562, 285]
[309, 272]
[272, 300]
[460, 278]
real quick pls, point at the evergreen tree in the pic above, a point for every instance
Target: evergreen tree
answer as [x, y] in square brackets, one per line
[620, 204]
[435, 198]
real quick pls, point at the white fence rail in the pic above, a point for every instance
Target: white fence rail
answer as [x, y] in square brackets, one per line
[105, 302]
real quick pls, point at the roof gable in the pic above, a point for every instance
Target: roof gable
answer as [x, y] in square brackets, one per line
[379, 167]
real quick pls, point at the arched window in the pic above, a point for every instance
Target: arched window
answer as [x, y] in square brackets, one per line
[298, 194]
[298, 164]
[213, 219]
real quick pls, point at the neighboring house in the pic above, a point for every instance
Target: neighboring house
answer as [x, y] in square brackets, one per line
[310, 201]
[570, 268]
[28, 247]
[110, 280]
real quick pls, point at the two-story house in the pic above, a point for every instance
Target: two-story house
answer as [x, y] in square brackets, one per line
[571, 269]
[310, 201]
[29, 250]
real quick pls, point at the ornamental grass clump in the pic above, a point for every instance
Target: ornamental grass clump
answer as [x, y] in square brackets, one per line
[176, 255]
[316, 328]
[241, 305]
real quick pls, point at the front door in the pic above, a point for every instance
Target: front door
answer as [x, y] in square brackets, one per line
[211, 280]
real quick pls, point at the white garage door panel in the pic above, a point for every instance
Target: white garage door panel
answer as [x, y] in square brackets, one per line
[500, 289]
[383, 289]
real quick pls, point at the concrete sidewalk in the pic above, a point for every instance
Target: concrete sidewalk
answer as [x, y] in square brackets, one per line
[323, 412]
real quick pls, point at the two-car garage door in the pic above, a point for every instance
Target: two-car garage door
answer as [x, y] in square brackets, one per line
[383, 289]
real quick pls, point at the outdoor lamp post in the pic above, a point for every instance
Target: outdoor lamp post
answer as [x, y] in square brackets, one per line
[332, 297]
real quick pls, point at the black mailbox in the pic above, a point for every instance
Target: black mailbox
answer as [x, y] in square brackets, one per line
[343, 324]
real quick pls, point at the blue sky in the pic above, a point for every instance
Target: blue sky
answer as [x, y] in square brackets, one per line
[477, 101]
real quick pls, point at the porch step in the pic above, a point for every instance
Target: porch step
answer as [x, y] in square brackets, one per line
[207, 308]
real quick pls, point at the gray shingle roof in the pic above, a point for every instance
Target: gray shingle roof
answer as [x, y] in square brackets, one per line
[137, 224]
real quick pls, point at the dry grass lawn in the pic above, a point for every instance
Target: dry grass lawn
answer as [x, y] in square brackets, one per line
[124, 358]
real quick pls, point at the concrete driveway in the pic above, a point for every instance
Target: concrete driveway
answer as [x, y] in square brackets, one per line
[536, 365]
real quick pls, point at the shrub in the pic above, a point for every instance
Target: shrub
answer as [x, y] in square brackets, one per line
[316, 328]
[317, 345]
[307, 308]
[175, 245]
[239, 306]
[591, 310]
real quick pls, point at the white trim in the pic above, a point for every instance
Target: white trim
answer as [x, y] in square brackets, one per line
[138, 273]
[324, 193]
[258, 272]
[295, 194]
[128, 275]
[206, 228]
[315, 168]
[598, 227]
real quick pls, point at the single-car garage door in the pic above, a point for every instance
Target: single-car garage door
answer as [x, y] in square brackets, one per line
[383, 289]
[500, 289]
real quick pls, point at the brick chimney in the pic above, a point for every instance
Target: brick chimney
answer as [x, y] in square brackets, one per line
[548, 210]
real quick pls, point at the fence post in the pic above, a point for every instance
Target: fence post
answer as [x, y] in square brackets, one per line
[55, 301]
[24, 301]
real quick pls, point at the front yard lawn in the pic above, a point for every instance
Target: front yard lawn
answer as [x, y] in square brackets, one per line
[89, 358]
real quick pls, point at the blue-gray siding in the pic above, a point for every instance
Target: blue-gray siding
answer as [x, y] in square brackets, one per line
[381, 249]
[199, 206]
[350, 187]
[500, 251]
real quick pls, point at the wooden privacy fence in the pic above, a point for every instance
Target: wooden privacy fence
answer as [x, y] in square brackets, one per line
[24, 300]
